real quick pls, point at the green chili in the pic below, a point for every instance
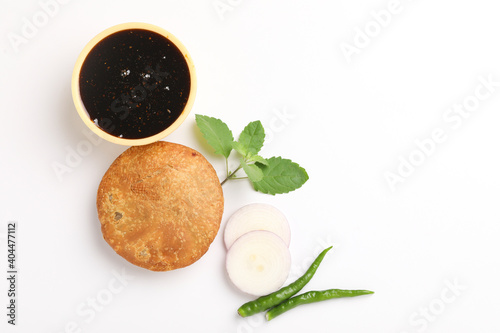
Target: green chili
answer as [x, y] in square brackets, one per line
[265, 302]
[312, 297]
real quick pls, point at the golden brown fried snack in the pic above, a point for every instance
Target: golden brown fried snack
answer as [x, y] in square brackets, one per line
[160, 205]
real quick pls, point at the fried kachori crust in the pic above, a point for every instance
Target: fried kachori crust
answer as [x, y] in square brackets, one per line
[160, 205]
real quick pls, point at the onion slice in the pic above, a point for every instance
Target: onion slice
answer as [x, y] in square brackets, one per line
[258, 262]
[256, 216]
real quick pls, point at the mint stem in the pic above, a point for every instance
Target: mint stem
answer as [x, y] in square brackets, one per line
[231, 175]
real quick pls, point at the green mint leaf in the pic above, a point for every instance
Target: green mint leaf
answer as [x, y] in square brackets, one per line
[217, 134]
[280, 176]
[253, 172]
[240, 148]
[258, 159]
[252, 137]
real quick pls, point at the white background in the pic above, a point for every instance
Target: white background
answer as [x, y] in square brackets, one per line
[348, 123]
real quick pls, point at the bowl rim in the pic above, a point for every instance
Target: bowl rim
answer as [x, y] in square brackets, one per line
[75, 86]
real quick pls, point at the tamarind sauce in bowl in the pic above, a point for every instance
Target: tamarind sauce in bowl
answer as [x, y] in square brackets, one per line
[134, 84]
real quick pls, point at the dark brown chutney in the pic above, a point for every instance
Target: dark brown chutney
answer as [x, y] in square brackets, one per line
[134, 83]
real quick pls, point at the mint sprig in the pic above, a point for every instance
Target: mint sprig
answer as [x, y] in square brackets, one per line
[273, 175]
